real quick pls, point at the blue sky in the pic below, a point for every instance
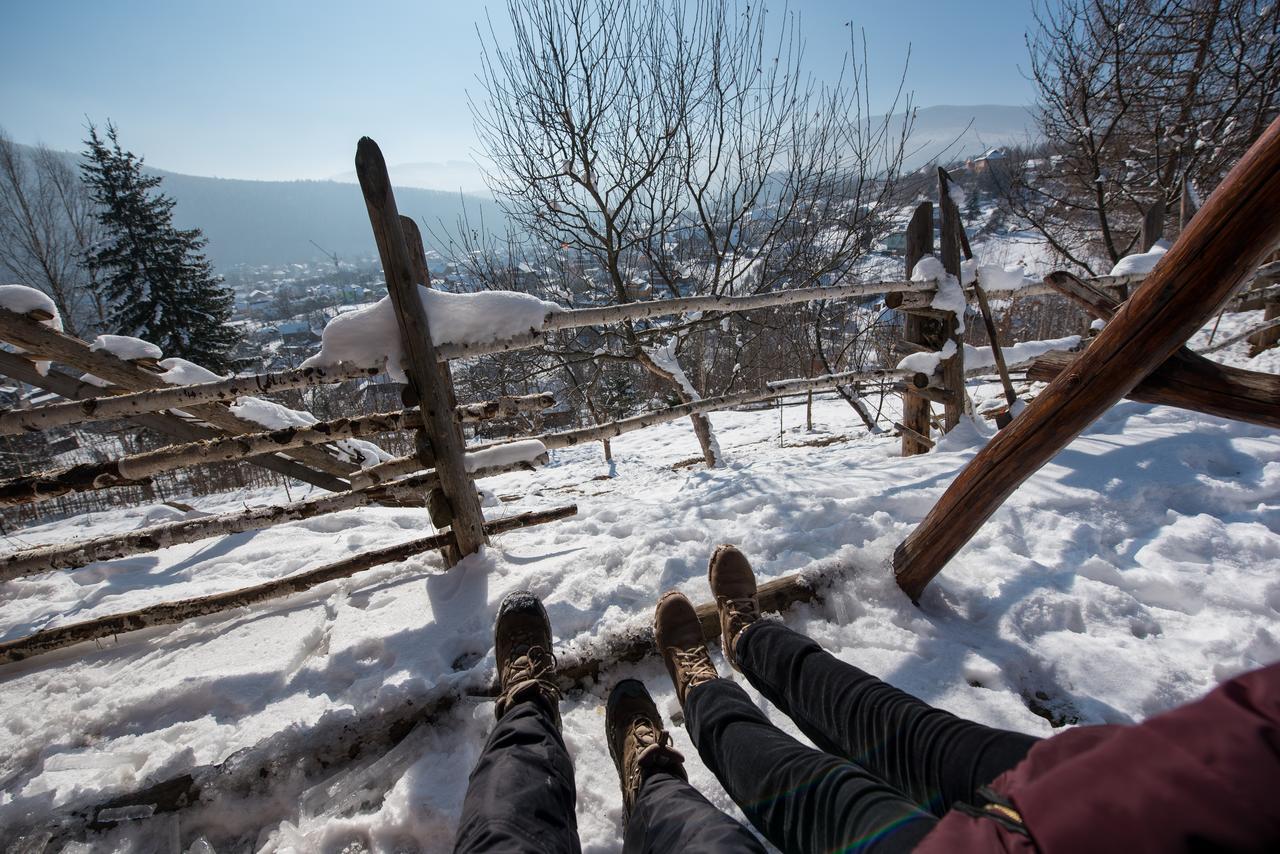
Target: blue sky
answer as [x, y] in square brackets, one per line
[281, 89]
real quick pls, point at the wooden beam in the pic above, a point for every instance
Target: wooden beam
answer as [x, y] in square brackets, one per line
[915, 409]
[58, 346]
[1152, 224]
[82, 409]
[13, 365]
[136, 469]
[168, 613]
[78, 553]
[400, 467]
[1227, 240]
[427, 377]
[1188, 380]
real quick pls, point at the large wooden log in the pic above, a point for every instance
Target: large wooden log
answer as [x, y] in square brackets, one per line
[60, 347]
[98, 408]
[79, 553]
[1228, 238]
[916, 408]
[168, 613]
[13, 365]
[1188, 380]
[140, 468]
[429, 379]
[403, 466]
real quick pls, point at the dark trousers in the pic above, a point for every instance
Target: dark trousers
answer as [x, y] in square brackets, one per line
[888, 765]
[521, 798]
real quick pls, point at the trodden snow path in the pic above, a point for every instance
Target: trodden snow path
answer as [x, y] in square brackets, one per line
[1129, 575]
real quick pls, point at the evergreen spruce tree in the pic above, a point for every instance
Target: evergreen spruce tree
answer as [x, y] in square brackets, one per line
[156, 280]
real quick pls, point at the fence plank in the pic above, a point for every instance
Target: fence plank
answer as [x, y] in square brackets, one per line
[915, 409]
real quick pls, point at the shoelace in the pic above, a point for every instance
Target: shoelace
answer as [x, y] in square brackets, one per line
[533, 664]
[696, 664]
[650, 740]
[742, 612]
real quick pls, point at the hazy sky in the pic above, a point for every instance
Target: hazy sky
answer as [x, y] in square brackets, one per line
[282, 89]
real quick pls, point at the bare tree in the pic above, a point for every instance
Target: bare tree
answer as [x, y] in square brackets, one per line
[1136, 101]
[46, 226]
[661, 148]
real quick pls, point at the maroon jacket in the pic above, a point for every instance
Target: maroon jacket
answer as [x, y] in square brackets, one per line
[1201, 777]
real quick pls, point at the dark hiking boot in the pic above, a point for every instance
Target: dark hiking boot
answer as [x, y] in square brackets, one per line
[522, 649]
[678, 635]
[637, 742]
[733, 585]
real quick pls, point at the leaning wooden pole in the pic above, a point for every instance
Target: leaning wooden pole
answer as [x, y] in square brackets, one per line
[1221, 247]
[428, 379]
[168, 613]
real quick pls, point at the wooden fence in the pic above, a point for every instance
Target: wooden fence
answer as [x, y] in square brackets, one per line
[440, 474]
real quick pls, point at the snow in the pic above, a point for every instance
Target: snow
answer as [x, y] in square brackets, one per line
[178, 371]
[1132, 573]
[21, 299]
[274, 416]
[1023, 351]
[522, 451]
[1141, 262]
[950, 296]
[997, 278]
[126, 347]
[927, 363]
[665, 358]
[370, 335]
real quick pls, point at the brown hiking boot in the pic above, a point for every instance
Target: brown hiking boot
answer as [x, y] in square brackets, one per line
[522, 649]
[733, 585]
[637, 742]
[678, 634]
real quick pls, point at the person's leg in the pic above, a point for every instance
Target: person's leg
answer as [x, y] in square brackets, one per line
[799, 798]
[521, 794]
[671, 815]
[934, 757]
[662, 812]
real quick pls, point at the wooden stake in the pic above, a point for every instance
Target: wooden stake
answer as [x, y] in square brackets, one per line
[1220, 248]
[429, 380]
[950, 230]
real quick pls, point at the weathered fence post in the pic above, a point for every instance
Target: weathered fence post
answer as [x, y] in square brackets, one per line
[915, 409]
[950, 232]
[439, 443]
[1221, 247]
[1152, 224]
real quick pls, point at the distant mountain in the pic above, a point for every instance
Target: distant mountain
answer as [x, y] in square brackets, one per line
[274, 222]
[455, 175]
[953, 132]
[269, 222]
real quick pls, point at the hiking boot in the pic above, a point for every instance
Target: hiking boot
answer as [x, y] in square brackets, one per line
[522, 649]
[733, 585]
[637, 742]
[678, 634]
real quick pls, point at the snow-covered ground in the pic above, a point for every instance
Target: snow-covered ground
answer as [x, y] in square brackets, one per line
[1129, 575]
